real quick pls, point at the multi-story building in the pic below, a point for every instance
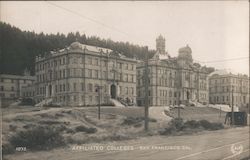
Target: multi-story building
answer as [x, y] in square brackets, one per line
[28, 91]
[228, 88]
[172, 81]
[11, 85]
[72, 75]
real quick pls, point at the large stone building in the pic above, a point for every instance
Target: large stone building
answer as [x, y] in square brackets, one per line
[228, 88]
[172, 81]
[72, 75]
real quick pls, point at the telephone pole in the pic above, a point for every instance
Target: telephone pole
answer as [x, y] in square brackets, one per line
[232, 118]
[146, 93]
[98, 89]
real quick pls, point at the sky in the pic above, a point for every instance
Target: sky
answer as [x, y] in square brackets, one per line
[216, 31]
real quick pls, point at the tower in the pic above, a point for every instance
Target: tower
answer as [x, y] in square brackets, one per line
[160, 44]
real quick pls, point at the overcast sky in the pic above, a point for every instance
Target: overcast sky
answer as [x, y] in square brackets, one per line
[214, 30]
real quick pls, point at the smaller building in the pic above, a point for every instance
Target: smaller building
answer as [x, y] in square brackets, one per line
[228, 88]
[28, 91]
[11, 87]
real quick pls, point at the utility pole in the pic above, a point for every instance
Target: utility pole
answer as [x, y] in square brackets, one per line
[98, 89]
[179, 97]
[146, 93]
[232, 118]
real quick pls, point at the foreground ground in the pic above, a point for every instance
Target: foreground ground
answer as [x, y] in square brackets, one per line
[216, 145]
[135, 144]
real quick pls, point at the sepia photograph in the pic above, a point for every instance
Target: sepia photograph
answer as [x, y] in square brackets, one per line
[124, 80]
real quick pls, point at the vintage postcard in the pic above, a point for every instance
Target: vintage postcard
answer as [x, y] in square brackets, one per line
[124, 80]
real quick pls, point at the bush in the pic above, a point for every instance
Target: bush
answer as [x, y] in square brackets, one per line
[211, 126]
[85, 129]
[192, 124]
[135, 120]
[12, 127]
[131, 120]
[38, 138]
[177, 125]
[7, 149]
[205, 124]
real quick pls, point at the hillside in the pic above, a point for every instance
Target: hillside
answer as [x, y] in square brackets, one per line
[19, 48]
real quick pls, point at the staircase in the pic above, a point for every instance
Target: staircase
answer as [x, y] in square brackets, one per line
[116, 103]
[44, 102]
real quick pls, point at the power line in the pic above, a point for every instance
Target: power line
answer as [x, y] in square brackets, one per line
[90, 19]
[225, 60]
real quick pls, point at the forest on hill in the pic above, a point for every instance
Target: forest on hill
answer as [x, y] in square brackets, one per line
[19, 48]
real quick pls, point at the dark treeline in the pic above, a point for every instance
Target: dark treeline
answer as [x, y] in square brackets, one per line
[19, 48]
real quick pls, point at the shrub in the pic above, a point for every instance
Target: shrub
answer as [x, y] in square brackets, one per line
[211, 126]
[136, 120]
[131, 120]
[205, 124]
[85, 129]
[7, 149]
[177, 125]
[12, 127]
[38, 138]
[49, 122]
[192, 124]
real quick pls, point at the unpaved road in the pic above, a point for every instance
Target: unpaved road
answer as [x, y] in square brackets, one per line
[207, 145]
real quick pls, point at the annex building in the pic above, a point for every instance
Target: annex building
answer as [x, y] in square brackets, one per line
[228, 88]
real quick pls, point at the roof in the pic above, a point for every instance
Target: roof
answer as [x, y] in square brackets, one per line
[10, 76]
[76, 45]
[225, 72]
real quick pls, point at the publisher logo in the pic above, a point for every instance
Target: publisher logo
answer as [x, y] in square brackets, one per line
[236, 149]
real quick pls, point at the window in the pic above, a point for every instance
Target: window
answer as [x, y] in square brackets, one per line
[125, 77]
[82, 85]
[90, 99]
[64, 87]
[126, 90]
[120, 89]
[75, 60]
[90, 73]
[120, 65]
[89, 61]
[126, 66]
[104, 75]
[68, 86]
[96, 61]
[63, 60]
[12, 88]
[64, 72]
[90, 87]
[96, 73]
[74, 86]
[2, 88]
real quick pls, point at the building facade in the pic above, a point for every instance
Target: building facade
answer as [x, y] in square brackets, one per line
[173, 81]
[228, 88]
[72, 76]
[11, 85]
